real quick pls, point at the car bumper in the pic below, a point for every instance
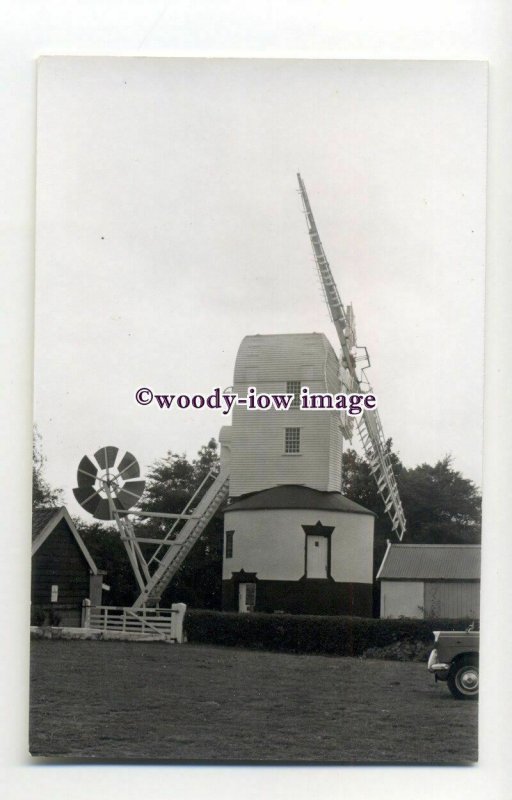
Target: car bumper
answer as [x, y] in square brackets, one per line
[436, 667]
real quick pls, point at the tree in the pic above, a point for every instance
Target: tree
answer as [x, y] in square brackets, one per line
[440, 506]
[359, 485]
[207, 459]
[172, 481]
[108, 553]
[43, 496]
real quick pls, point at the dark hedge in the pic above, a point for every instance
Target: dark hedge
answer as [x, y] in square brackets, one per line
[294, 633]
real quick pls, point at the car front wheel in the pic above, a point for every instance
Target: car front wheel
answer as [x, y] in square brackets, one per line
[463, 678]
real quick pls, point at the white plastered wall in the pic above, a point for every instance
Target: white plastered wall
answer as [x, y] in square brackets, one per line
[271, 542]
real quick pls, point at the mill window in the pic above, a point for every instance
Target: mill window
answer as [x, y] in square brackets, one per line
[292, 440]
[229, 544]
[294, 387]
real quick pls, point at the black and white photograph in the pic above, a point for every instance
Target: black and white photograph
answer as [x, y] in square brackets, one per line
[258, 410]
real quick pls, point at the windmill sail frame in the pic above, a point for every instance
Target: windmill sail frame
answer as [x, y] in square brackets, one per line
[369, 426]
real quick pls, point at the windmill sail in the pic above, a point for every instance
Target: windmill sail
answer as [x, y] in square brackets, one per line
[369, 426]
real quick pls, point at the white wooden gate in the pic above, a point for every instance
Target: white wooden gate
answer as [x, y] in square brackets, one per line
[158, 623]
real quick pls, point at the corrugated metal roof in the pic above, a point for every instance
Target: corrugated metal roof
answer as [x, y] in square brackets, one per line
[41, 518]
[431, 562]
[293, 496]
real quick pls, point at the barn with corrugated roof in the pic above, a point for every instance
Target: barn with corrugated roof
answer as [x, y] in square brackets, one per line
[63, 571]
[428, 581]
[292, 541]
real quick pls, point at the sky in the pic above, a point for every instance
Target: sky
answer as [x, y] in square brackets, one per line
[169, 227]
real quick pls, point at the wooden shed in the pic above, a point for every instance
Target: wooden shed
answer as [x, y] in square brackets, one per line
[430, 581]
[63, 571]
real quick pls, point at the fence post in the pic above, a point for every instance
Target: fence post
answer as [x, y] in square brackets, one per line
[86, 613]
[177, 618]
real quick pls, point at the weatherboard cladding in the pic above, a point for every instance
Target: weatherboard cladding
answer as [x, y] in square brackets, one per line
[335, 452]
[60, 561]
[257, 440]
[431, 562]
[271, 358]
[46, 520]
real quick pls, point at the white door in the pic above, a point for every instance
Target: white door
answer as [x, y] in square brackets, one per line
[316, 556]
[246, 597]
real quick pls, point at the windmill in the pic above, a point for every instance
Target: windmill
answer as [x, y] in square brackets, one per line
[109, 486]
[108, 489]
[368, 425]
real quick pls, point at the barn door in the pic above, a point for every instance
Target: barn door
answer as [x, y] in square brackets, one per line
[452, 599]
[316, 556]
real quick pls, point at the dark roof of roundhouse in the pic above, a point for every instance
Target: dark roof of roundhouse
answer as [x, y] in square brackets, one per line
[295, 496]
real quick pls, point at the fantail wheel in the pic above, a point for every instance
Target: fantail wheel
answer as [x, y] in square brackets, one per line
[106, 486]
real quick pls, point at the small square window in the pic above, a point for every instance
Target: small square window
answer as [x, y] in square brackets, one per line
[294, 387]
[292, 440]
[229, 544]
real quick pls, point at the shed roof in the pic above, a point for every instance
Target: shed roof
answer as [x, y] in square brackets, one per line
[44, 522]
[431, 562]
[40, 519]
[296, 496]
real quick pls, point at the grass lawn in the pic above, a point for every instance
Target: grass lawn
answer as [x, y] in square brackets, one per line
[192, 702]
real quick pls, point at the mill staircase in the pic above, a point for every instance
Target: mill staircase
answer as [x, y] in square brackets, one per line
[176, 554]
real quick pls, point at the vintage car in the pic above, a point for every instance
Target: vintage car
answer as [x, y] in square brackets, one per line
[454, 659]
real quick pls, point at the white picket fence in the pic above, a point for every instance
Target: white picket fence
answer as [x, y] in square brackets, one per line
[158, 623]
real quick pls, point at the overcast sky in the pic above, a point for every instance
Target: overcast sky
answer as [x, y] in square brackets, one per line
[169, 227]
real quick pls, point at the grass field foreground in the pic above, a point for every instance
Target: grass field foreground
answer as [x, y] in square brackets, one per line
[123, 700]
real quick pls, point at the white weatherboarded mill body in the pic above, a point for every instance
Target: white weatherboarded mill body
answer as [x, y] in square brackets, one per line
[292, 542]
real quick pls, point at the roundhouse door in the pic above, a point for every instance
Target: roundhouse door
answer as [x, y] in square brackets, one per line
[316, 552]
[246, 597]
